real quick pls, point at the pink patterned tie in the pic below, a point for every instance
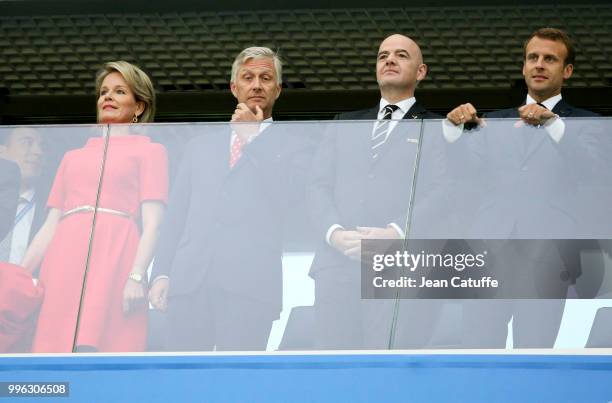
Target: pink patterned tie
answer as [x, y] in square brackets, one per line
[236, 151]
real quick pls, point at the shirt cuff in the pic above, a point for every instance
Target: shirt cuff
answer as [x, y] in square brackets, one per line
[159, 278]
[330, 231]
[398, 229]
[450, 131]
[555, 127]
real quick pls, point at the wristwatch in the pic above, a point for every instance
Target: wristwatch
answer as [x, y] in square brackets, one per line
[137, 277]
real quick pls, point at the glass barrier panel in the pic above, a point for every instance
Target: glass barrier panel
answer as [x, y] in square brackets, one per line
[306, 236]
[241, 261]
[510, 223]
[50, 177]
[192, 234]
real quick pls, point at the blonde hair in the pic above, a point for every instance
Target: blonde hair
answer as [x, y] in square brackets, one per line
[257, 52]
[138, 81]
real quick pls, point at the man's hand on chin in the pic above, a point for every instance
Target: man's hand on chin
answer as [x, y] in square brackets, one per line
[246, 121]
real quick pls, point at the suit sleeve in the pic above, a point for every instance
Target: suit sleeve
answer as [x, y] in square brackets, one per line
[321, 185]
[175, 217]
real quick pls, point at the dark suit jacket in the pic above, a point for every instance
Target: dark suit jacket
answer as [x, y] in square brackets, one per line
[9, 195]
[348, 187]
[224, 225]
[562, 109]
[547, 174]
[416, 112]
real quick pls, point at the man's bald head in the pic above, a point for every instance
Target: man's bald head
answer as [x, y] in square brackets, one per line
[399, 67]
[405, 42]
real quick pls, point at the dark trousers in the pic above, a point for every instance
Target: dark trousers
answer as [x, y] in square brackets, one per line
[215, 319]
[345, 321]
[534, 284]
[535, 323]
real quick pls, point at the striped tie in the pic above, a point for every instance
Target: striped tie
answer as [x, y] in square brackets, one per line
[381, 129]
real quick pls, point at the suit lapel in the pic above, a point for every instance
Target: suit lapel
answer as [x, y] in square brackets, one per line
[220, 150]
[416, 112]
[535, 139]
[563, 109]
[525, 143]
[361, 135]
[266, 136]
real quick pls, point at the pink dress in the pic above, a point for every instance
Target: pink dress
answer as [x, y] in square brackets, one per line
[136, 170]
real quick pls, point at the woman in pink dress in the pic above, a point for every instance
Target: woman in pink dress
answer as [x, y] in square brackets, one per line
[102, 308]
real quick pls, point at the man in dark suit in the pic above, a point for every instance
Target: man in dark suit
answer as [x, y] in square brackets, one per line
[529, 172]
[19, 298]
[9, 191]
[24, 146]
[217, 270]
[360, 189]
